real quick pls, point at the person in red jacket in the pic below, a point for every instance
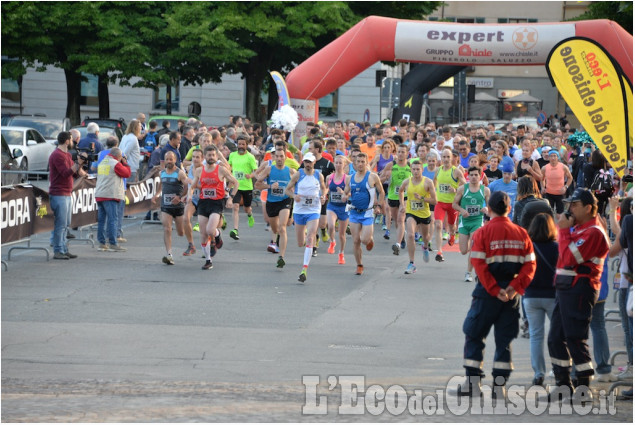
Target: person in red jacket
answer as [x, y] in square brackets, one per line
[504, 261]
[61, 173]
[583, 246]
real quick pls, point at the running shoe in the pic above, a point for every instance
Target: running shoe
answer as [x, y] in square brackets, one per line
[234, 234]
[190, 250]
[378, 219]
[168, 260]
[325, 237]
[387, 234]
[271, 248]
[426, 256]
[395, 249]
[468, 277]
[250, 220]
[439, 257]
[348, 230]
[417, 236]
[117, 248]
[341, 259]
[280, 264]
[403, 244]
[208, 265]
[212, 248]
[384, 227]
[430, 246]
[195, 228]
[219, 241]
[224, 225]
[451, 240]
[446, 235]
[370, 245]
[302, 277]
[331, 249]
[360, 270]
[410, 269]
[314, 254]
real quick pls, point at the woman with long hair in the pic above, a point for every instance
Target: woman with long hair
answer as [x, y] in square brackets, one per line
[539, 298]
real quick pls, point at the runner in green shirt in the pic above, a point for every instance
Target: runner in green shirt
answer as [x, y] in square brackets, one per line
[243, 166]
[396, 174]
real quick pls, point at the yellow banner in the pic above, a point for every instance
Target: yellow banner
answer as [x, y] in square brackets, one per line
[591, 84]
[628, 90]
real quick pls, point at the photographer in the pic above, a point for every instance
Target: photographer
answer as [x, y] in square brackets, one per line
[583, 246]
[109, 194]
[61, 173]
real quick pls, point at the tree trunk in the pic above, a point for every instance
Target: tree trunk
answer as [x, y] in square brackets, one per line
[272, 99]
[256, 72]
[103, 96]
[73, 95]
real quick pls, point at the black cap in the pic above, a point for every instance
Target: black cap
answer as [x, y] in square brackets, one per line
[583, 195]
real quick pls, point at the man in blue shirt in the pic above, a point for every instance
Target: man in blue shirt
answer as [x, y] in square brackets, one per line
[506, 184]
[173, 146]
[91, 141]
[465, 154]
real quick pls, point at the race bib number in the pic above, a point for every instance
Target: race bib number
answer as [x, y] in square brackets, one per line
[396, 190]
[209, 192]
[239, 175]
[307, 202]
[473, 210]
[416, 205]
[445, 188]
[167, 198]
[336, 197]
[278, 191]
[196, 193]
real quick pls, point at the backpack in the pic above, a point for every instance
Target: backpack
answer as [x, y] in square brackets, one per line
[151, 141]
[602, 183]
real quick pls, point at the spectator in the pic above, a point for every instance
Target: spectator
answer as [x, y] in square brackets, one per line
[187, 137]
[91, 142]
[61, 173]
[230, 139]
[173, 144]
[130, 148]
[529, 203]
[540, 295]
[165, 128]
[109, 194]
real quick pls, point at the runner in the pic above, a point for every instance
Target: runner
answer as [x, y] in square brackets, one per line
[555, 181]
[173, 195]
[448, 179]
[278, 176]
[210, 179]
[308, 191]
[396, 174]
[416, 194]
[365, 194]
[243, 165]
[191, 202]
[471, 202]
[326, 167]
[336, 207]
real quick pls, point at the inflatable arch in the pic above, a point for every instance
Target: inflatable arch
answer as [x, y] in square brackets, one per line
[386, 39]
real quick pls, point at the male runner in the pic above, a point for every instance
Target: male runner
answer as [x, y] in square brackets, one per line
[365, 194]
[326, 167]
[173, 195]
[336, 207]
[210, 179]
[416, 194]
[278, 176]
[471, 202]
[396, 174]
[243, 165]
[448, 179]
[192, 201]
[309, 192]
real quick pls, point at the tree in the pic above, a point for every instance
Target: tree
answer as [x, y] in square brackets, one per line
[618, 11]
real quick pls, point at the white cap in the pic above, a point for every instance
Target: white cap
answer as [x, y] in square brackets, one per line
[308, 157]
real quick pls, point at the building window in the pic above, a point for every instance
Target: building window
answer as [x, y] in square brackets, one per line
[159, 100]
[10, 90]
[89, 90]
[328, 105]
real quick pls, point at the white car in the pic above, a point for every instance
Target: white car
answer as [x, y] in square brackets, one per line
[34, 147]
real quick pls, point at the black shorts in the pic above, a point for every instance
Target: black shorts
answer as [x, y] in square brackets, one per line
[556, 200]
[394, 203]
[419, 220]
[246, 195]
[274, 208]
[174, 212]
[207, 207]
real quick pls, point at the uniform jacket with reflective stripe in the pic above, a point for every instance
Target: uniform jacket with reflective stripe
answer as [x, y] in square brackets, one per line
[586, 245]
[502, 255]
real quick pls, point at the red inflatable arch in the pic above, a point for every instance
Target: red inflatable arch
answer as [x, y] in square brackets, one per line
[386, 39]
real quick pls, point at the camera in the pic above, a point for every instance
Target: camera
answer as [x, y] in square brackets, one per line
[88, 157]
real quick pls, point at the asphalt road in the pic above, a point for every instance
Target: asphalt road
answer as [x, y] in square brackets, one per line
[112, 337]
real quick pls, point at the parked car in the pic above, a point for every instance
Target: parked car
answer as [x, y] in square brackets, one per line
[10, 162]
[106, 122]
[47, 127]
[104, 132]
[35, 149]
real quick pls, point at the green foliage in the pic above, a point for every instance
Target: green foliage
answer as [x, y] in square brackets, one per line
[618, 11]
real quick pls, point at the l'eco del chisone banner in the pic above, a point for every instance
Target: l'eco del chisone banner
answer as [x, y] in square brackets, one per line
[594, 86]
